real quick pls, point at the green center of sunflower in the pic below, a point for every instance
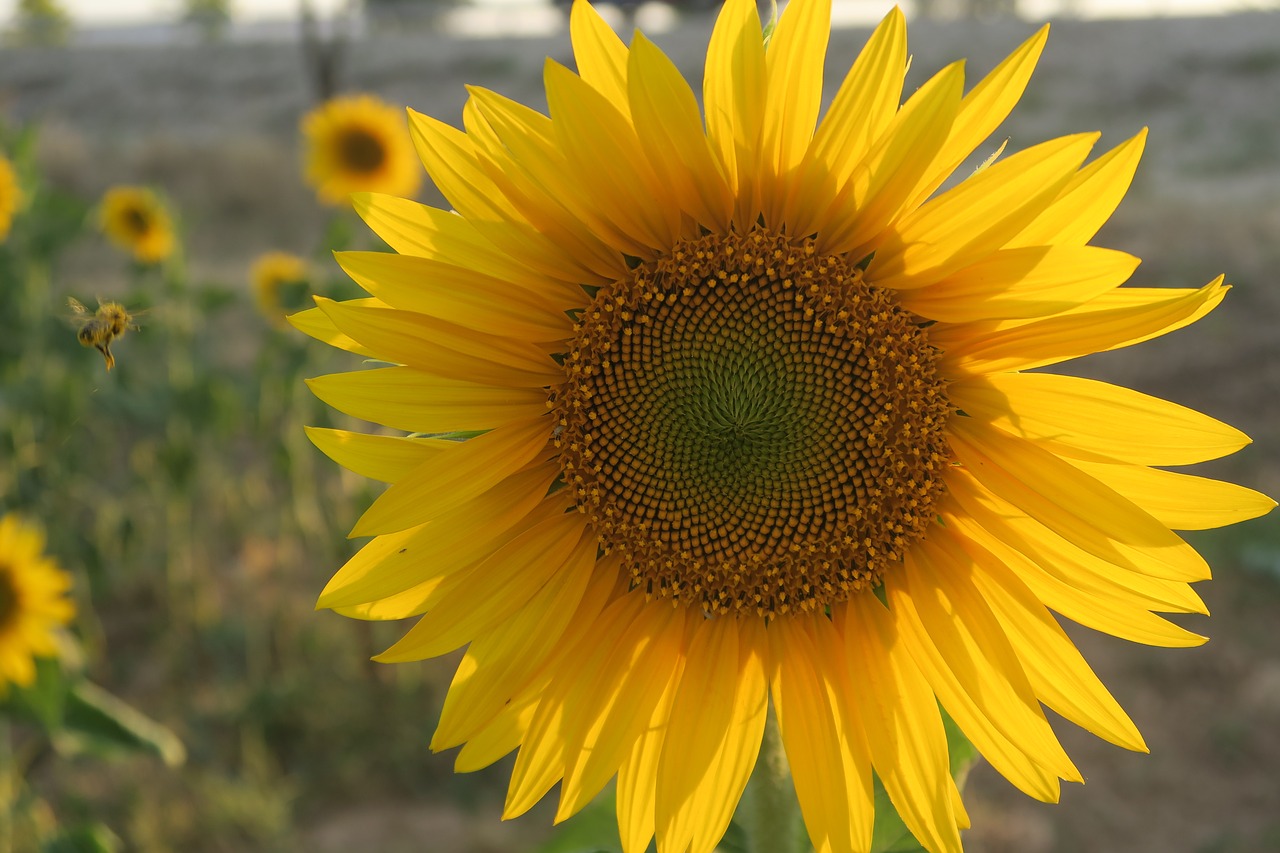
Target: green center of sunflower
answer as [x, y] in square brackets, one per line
[8, 597]
[361, 151]
[751, 425]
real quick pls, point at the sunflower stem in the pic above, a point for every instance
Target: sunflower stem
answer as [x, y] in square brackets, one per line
[771, 826]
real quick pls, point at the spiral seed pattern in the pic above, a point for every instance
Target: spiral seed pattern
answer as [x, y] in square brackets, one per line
[752, 425]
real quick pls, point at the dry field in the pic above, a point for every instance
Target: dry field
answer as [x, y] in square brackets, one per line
[216, 127]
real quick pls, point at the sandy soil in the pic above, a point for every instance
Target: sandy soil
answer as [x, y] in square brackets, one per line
[216, 126]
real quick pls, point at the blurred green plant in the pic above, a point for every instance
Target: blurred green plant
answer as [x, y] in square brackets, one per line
[210, 18]
[40, 23]
[181, 493]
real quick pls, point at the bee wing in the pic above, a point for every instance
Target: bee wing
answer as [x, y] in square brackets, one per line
[76, 305]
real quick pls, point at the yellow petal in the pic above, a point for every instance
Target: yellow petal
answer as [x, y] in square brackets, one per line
[1087, 201]
[1033, 281]
[461, 295]
[427, 232]
[1117, 319]
[378, 457]
[981, 112]
[600, 55]
[669, 128]
[713, 737]
[502, 734]
[875, 193]
[638, 773]
[518, 149]
[444, 349]
[734, 89]
[397, 562]
[613, 713]
[1060, 676]
[937, 587]
[451, 159]
[541, 760]
[828, 759]
[903, 727]
[1070, 415]
[1060, 558]
[609, 161]
[437, 485]
[793, 70]
[1071, 503]
[863, 107]
[1106, 613]
[408, 399]
[316, 324]
[965, 224]
[403, 605]
[502, 662]
[1180, 501]
[496, 589]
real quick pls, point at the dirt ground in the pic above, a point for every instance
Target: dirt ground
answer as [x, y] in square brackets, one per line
[216, 126]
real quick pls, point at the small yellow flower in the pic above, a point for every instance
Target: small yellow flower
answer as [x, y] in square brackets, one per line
[358, 144]
[10, 196]
[135, 219]
[33, 602]
[272, 272]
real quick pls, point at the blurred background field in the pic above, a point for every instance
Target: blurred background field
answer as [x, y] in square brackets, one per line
[199, 523]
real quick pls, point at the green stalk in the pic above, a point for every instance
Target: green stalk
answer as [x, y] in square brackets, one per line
[772, 825]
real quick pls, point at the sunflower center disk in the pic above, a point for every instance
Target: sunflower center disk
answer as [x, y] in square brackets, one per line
[361, 151]
[751, 425]
[8, 596]
[136, 221]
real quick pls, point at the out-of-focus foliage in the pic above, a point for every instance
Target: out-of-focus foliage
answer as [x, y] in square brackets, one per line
[209, 17]
[197, 522]
[43, 23]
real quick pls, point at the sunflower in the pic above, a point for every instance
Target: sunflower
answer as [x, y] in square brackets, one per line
[135, 219]
[708, 420]
[10, 196]
[33, 602]
[358, 144]
[272, 273]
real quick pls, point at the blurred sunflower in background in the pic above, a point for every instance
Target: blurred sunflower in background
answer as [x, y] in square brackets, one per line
[33, 601]
[136, 220]
[10, 196]
[272, 274]
[750, 414]
[358, 144]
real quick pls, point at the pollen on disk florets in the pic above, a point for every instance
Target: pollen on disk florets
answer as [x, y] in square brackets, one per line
[752, 425]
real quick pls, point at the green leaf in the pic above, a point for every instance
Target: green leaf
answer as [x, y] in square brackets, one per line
[98, 723]
[42, 701]
[88, 838]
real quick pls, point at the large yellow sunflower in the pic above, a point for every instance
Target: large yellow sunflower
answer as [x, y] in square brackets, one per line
[10, 196]
[358, 144]
[135, 219]
[752, 418]
[33, 602]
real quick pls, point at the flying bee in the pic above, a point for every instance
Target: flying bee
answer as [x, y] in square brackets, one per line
[99, 329]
